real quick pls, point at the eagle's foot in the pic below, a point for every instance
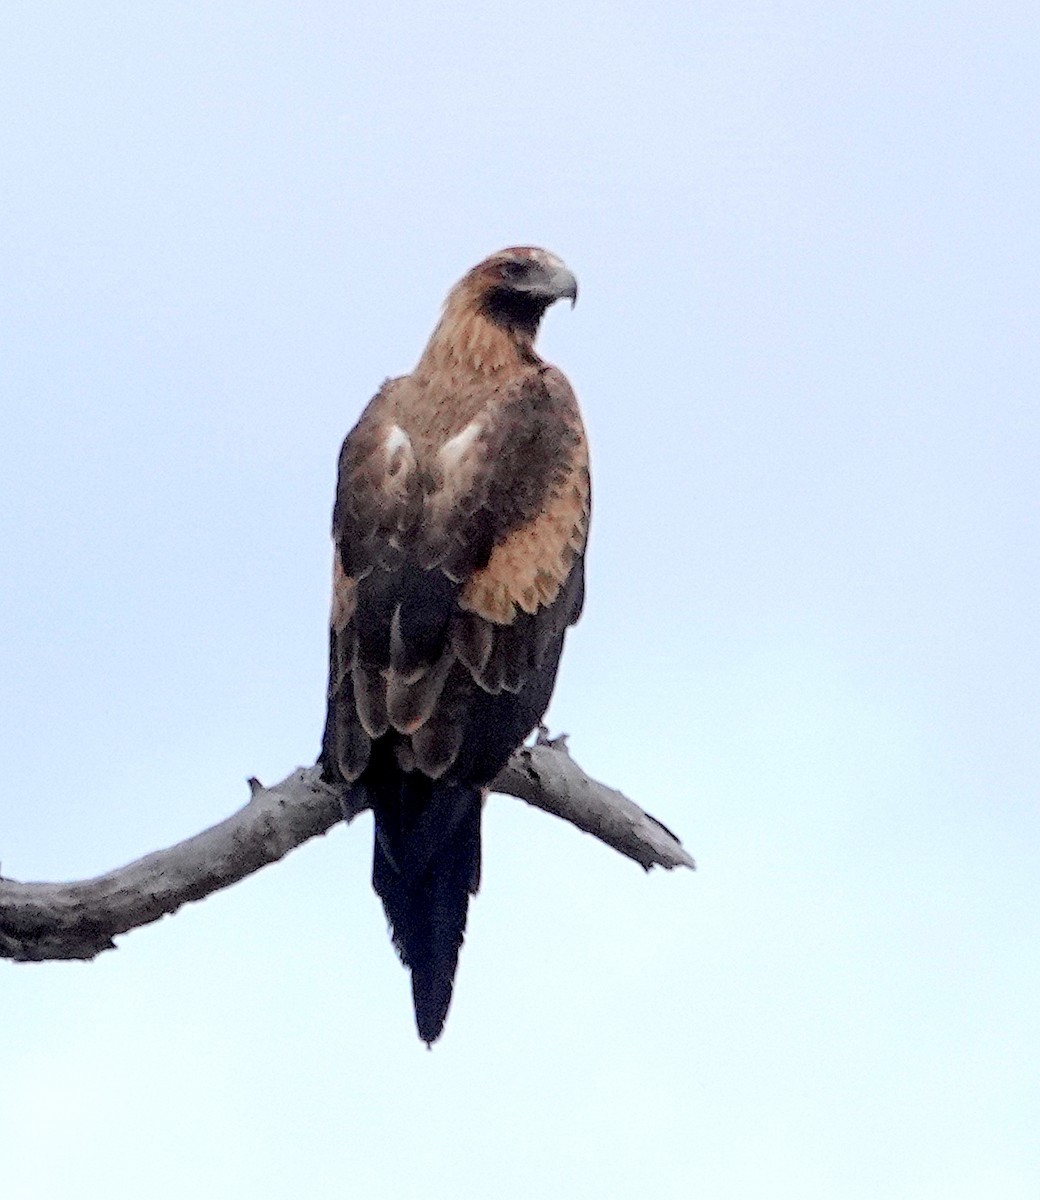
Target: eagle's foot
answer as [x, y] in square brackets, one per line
[542, 738]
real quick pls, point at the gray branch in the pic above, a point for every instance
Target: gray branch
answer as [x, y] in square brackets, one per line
[42, 921]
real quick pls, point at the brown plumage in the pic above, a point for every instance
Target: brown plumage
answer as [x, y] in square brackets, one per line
[460, 522]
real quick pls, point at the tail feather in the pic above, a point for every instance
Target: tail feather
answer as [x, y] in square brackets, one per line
[425, 867]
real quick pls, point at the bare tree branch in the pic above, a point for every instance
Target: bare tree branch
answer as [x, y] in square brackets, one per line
[43, 921]
[546, 776]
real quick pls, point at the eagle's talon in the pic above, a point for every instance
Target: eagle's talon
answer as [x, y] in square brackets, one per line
[559, 742]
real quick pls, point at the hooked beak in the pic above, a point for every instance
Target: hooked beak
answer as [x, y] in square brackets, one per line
[563, 285]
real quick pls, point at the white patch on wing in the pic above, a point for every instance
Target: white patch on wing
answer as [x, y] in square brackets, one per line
[455, 448]
[396, 440]
[398, 449]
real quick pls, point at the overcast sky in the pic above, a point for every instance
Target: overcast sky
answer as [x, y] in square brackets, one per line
[806, 348]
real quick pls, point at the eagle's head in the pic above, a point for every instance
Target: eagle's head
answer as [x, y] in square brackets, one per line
[491, 316]
[514, 287]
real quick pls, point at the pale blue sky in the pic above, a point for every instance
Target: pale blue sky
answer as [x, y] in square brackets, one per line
[806, 347]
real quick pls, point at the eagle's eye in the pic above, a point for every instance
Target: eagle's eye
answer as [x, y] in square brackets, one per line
[514, 271]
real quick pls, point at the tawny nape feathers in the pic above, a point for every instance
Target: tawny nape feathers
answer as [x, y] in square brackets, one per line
[459, 531]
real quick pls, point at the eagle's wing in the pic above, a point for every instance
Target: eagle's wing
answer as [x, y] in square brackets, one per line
[458, 568]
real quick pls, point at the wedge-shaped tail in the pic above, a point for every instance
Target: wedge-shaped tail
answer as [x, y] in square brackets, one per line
[425, 867]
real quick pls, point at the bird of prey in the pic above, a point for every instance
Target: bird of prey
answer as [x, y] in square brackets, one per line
[459, 529]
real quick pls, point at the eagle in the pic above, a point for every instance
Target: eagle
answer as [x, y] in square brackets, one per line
[459, 529]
